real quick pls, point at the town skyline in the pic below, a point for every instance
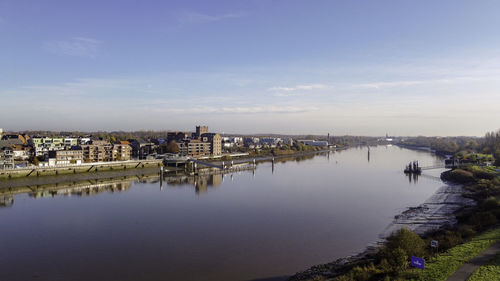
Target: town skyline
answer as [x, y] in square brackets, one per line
[253, 67]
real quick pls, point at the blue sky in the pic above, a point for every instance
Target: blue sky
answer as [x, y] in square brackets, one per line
[254, 66]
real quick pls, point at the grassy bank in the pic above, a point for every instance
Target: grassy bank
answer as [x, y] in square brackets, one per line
[440, 267]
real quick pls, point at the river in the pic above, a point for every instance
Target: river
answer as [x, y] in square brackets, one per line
[274, 221]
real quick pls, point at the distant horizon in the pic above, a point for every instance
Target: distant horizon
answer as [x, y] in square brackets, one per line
[348, 67]
[232, 133]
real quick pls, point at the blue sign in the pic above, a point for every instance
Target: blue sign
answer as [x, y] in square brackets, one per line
[417, 262]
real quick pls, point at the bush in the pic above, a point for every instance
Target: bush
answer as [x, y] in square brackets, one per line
[408, 241]
[490, 204]
[398, 259]
[466, 231]
[459, 175]
[482, 173]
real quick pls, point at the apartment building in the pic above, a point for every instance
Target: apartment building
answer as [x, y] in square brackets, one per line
[121, 152]
[97, 151]
[73, 155]
[215, 141]
[194, 148]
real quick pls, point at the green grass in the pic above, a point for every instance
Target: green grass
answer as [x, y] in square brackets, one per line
[445, 264]
[488, 272]
[479, 157]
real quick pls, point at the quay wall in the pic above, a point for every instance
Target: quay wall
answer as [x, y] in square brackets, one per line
[34, 172]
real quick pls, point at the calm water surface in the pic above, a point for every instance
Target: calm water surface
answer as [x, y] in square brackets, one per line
[238, 227]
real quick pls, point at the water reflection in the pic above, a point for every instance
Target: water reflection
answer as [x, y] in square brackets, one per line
[72, 188]
[201, 183]
[412, 177]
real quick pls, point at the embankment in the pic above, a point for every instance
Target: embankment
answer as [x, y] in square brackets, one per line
[34, 172]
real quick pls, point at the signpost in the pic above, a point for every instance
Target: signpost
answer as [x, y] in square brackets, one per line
[434, 243]
[417, 262]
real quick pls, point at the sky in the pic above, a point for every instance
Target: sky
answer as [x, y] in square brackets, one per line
[401, 67]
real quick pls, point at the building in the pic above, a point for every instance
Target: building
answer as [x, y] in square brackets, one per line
[141, 148]
[121, 152]
[19, 150]
[288, 141]
[97, 151]
[228, 142]
[215, 141]
[194, 148]
[314, 142]
[23, 138]
[270, 141]
[69, 142]
[6, 157]
[200, 130]
[85, 140]
[73, 155]
[42, 145]
[176, 136]
[251, 141]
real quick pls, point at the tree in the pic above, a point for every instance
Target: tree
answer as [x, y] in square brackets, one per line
[408, 241]
[172, 147]
[497, 157]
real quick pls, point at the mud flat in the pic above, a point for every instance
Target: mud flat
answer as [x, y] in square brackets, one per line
[434, 213]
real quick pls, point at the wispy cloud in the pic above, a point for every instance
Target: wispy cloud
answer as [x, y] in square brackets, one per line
[408, 83]
[243, 110]
[298, 88]
[378, 85]
[185, 18]
[76, 46]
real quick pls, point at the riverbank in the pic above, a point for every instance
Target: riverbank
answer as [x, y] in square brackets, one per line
[35, 172]
[436, 212]
[425, 148]
[467, 207]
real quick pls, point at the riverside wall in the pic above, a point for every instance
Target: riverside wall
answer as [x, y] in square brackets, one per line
[34, 172]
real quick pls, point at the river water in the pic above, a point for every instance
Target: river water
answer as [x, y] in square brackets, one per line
[273, 221]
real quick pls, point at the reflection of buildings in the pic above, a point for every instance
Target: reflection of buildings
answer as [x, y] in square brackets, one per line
[79, 188]
[90, 189]
[6, 200]
[201, 182]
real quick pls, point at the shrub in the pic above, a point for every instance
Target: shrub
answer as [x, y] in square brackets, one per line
[461, 176]
[408, 241]
[398, 259]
